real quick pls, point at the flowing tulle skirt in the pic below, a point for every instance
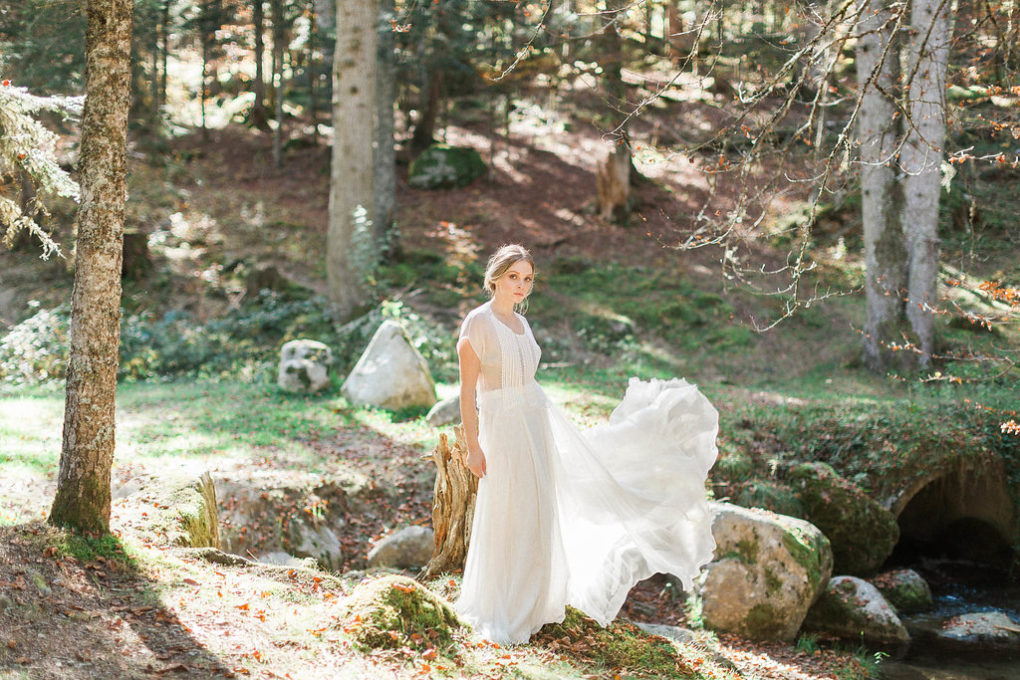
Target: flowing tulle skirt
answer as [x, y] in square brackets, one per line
[569, 516]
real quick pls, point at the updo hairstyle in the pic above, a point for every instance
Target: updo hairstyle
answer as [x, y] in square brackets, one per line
[501, 261]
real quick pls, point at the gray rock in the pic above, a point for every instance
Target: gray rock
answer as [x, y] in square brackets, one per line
[767, 572]
[390, 373]
[982, 628]
[905, 590]
[854, 609]
[283, 559]
[446, 412]
[409, 548]
[316, 540]
[674, 633]
[304, 366]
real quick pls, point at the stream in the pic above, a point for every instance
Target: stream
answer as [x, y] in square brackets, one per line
[959, 587]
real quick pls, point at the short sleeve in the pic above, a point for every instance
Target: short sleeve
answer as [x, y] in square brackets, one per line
[478, 332]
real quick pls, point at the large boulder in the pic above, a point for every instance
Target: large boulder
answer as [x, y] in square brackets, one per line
[409, 548]
[390, 373]
[767, 572]
[861, 531]
[905, 590]
[441, 167]
[852, 608]
[304, 366]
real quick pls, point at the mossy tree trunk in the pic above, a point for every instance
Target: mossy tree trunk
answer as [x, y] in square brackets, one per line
[385, 187]
[83, 487]
[352, 172]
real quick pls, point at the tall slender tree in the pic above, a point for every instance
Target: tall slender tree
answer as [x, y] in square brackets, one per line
[352, 172]
[83, 487]
[385, 187]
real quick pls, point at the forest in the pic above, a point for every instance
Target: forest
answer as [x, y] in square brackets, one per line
[239, 239]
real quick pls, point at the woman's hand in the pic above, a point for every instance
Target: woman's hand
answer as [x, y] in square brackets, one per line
[476, 462]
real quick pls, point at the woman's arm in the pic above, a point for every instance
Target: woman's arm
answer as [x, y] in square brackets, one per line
[470, 366]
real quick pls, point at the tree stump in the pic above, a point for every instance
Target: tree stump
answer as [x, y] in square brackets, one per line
[453, 506]
[612, 180]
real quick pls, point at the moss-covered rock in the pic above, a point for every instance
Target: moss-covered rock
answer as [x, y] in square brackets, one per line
[395, 611]
[854, 609]
[768, 570]
[178, 509]
[862, 532]
[441, 167]
[767, 495]
[623, 648]
[905, 590]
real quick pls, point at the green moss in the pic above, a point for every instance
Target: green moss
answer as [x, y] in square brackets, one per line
[442, 166]
[772, 582]
[803, 554]
[620, 647]
[762, 621]
[861, 531]
[395, 611]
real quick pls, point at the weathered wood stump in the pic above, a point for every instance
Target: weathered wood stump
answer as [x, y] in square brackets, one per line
[453, 506]
[612, 180]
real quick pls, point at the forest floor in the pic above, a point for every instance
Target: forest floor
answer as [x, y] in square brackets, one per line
[212, 208]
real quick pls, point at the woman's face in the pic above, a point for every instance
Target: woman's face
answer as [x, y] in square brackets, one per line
[515, 284]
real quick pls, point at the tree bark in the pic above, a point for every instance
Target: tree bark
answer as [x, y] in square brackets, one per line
[385, 187]
[277, 75]
[83, 488]
[921, 160]
[453, 506]
[612, 178]
[259, 116]
[165, 51]
[881, 194]
[425, 129]
[352, 171]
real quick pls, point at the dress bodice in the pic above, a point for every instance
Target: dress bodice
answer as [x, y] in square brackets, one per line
[508, 358]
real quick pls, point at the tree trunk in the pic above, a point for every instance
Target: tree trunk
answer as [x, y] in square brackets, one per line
[352, 172]
[206, 39]
[612, 182]
[385, 187]
[278, 38]
[311, 70]
[425, 129]
[612, 178]
[453, 506]
[881, 194]
[83, 487]
[165, 22]
[921, 160]
[259, 116]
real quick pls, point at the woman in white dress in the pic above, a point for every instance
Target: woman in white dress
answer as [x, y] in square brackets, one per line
[565, 516]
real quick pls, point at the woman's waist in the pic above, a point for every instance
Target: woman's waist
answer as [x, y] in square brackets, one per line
[528, 393]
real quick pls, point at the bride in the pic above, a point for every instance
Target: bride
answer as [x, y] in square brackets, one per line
[565, 516]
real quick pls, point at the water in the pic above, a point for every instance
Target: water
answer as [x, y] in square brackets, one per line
[959, 587]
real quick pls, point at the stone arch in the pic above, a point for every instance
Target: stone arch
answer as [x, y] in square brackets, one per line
[965, 508]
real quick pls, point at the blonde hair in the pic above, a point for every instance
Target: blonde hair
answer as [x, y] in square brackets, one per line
[501, 261]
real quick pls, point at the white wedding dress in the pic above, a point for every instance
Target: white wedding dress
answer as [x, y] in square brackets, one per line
[565, 516]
